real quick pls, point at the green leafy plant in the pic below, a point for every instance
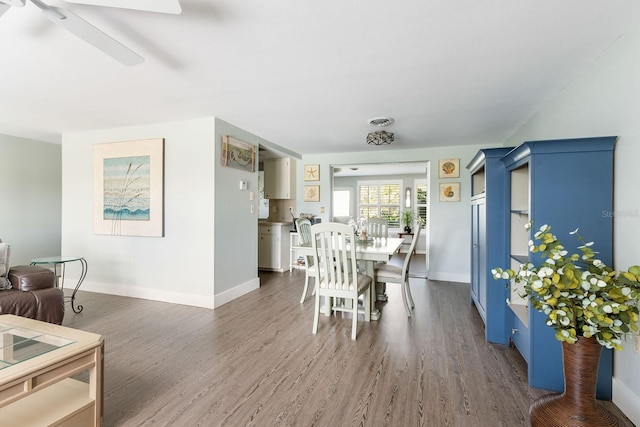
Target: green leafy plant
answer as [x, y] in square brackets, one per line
[578, 293]
[407, 218]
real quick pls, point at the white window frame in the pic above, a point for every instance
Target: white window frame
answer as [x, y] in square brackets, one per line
[416, 183]
[379, 183]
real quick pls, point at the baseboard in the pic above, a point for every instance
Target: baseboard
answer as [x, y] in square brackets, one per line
[448, 277]
[236, 292]
[148, 294]
[627, 401]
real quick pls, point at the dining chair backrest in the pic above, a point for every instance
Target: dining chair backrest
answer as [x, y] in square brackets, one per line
[334, 252]
[377, 227]
[412, 247]
[303, 225]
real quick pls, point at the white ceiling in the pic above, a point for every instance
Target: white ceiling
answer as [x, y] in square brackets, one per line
[308, 75]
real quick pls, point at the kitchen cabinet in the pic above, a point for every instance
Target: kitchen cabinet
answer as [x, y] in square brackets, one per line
[280, 178]
[273, 246]
[566, 184]
[489, 241]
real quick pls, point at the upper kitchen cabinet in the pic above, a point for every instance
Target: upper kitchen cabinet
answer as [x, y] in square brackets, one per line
[280, 178]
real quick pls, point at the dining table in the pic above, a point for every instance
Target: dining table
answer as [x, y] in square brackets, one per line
[370, 251]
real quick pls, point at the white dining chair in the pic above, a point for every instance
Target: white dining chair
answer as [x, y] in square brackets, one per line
[387, 273]
[334, 255]
[378, 227]
[303, 225]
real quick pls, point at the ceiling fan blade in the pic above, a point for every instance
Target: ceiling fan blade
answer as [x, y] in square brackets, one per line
[17, 3]
[162, 6]
[92, 35]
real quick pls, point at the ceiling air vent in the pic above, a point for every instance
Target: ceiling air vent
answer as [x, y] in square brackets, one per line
[381, 121]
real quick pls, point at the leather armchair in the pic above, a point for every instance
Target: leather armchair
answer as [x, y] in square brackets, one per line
[33, 294]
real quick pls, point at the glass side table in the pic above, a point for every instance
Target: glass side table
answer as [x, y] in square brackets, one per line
[59, 264]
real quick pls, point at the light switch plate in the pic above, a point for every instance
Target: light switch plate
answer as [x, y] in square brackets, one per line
[251, 195]
[636, 344]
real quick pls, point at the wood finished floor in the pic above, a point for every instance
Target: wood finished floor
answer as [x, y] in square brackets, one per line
[255, 362]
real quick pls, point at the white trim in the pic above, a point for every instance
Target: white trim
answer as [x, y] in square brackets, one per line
[237, 291]
[627, 401]
[172, 297]
[449, 277]
[144, 293]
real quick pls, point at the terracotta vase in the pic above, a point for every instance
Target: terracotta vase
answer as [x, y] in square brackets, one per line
[577, 406]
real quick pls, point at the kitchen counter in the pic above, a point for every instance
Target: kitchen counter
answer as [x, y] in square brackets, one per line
[267, 222]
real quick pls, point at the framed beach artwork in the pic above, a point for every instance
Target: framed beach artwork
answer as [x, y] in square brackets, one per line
[311, 193]
[449, 168]
[449, 191]
[238, 154]
[312, 172]
[128, 188]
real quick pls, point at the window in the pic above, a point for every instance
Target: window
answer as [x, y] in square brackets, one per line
[422, 200]
[341, 203]
[380, 199]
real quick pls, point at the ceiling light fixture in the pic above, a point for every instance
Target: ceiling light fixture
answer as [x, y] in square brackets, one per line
[380, 137]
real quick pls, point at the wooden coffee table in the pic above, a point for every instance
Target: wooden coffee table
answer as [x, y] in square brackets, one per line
[37, 363]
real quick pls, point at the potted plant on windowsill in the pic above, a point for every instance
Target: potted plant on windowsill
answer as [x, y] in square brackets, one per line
[590, 306]
[407, 220]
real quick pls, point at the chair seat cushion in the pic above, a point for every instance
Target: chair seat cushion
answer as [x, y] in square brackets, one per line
[389, 272]
[363, 282]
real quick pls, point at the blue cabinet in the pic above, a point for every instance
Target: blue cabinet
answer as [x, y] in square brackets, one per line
[567, 184]
[489, 242]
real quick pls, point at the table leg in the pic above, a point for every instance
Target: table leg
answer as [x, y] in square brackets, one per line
[375, 313]
[83, 274]
[60, 281]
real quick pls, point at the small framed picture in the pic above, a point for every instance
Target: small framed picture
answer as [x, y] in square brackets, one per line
[449, 191]
[312, 172]
[449, 168]
[238, 154]
[311, 193]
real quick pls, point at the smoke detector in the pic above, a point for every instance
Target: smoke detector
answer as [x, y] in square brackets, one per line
[381, 121]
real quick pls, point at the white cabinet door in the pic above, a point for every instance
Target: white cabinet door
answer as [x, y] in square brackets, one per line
[279, 178]
[267, 256]
[273, 247]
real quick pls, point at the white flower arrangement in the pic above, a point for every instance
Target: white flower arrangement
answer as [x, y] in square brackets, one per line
[578, 293]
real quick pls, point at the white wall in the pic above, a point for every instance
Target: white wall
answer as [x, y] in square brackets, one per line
[605, 100]
[236, 227]
[208, 255]
[178, 267]
[450, 221]
[30, 203]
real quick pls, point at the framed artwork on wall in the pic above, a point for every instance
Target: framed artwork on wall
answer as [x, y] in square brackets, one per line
[128, 188]
[312, 172]
[311, 193]
[238, 154]
[449, 168]
[449, 191]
